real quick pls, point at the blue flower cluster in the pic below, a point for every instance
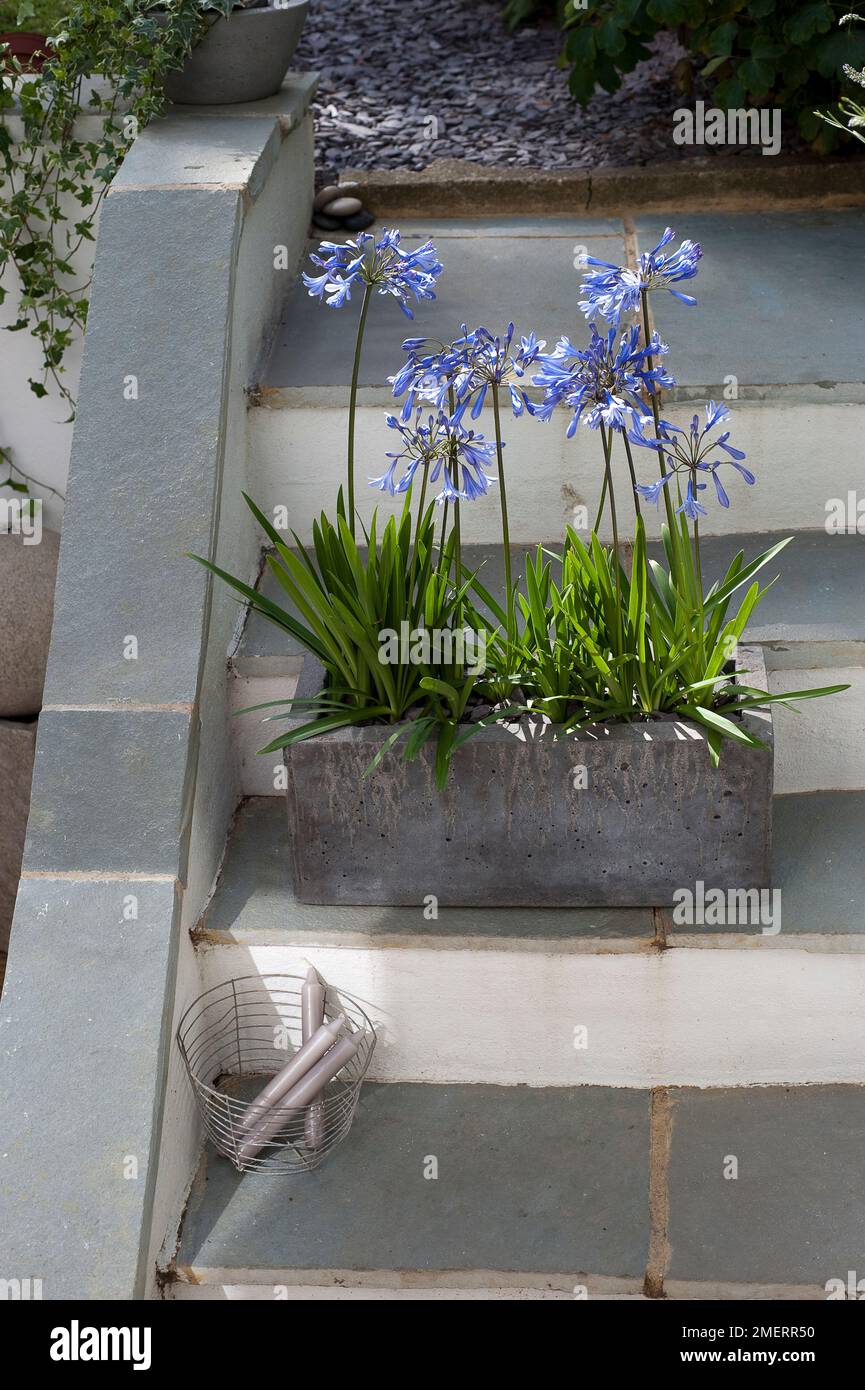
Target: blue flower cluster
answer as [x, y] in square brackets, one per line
[464, 370]
[615, 290]
[607, 384]
[383, 265]
[690, 452]
[454, 456]
[603, 383]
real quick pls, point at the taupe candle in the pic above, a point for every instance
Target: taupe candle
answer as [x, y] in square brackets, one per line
[300, 1095]
[312, 1017]
[305, 1057]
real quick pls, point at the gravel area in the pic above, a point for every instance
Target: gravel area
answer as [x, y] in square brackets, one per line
[405, 84]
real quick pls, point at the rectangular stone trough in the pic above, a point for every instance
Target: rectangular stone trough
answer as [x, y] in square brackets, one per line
[620, 815]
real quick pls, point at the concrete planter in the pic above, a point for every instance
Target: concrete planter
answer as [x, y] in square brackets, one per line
[241, 58]
[619, 816]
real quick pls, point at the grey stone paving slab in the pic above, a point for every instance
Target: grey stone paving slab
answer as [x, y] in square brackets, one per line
[548, 1181]
[819, 861]
[779, 297]
[487, 279]
[794, 1214]
[525, 227]
[145, 473]
[110, 790]
[254, 895]
[71, 1210]
[820, 594]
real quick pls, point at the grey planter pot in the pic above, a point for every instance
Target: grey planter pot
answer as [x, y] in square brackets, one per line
[241, 58]
[516, 828]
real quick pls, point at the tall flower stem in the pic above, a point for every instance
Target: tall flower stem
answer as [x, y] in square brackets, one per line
[601, 502]
[419, 522]
[606, 440]
[506, 535]
[647, 334]
[442, 539]
[352, 403]
[458, 556]
[633, 473]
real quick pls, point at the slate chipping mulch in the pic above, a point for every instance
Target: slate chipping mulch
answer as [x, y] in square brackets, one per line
[498, 98]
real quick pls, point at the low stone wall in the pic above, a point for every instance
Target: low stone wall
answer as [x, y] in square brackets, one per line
[133, 788]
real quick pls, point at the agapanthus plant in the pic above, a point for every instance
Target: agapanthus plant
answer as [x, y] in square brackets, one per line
[585, 637]
[383, 266]
[459, 376]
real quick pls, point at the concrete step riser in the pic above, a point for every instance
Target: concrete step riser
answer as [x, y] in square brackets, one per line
[297, 461]
[514, 1016]
[818, 747]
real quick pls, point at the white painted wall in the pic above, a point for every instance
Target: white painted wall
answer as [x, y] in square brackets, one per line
[765, 1013]
[802, 453]
[38, 432]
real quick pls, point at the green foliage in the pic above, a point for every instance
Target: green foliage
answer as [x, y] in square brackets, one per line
[341, 601]
[583, 656]
[782, 52]
[35, 16]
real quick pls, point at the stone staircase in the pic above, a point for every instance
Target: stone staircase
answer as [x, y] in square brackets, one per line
[617, 1107]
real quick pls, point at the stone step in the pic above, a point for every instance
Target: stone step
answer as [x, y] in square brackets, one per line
[568, 1192]
[790, 364]
[502, 996]
[811, 623]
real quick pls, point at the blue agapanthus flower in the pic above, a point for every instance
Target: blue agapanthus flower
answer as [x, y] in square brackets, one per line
[691, 452]
[464, 370]
[455, 457]
[383, 265]
[614, 290]
[602, 384]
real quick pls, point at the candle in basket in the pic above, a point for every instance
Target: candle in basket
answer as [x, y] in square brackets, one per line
[300, 1095]
[312, 1017]
[321, 1041]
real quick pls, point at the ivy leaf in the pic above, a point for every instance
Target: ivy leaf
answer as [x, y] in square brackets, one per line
[38, 389]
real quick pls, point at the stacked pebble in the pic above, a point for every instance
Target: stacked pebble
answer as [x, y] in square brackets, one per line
[336, 208]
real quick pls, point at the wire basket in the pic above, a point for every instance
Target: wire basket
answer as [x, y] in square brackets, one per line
[237, 1035]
